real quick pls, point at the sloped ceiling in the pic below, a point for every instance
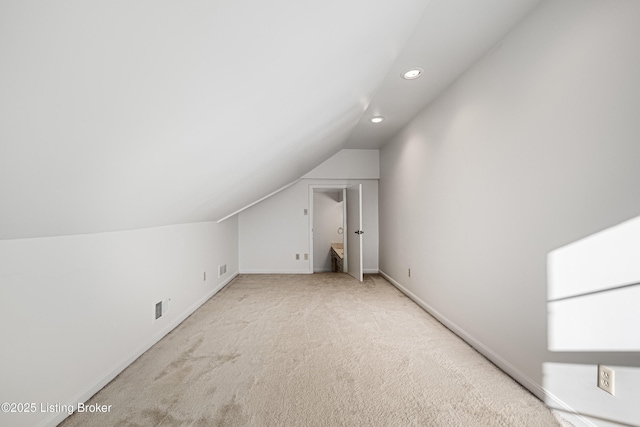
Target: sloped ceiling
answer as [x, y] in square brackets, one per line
[119, 115]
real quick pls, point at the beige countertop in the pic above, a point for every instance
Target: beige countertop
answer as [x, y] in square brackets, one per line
[338, 248]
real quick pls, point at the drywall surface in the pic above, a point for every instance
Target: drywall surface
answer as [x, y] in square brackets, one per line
[534, 148]
[273, 231]
[349, 164]
[327, 219]
[76, 310]
[120, 119]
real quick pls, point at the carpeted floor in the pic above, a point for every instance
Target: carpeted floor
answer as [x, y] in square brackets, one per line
[313, 350]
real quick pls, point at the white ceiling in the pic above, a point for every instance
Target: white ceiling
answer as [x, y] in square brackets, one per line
[119, 115]
[449, 38]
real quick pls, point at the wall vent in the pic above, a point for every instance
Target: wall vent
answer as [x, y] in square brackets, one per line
[162, 308]
[222, 270]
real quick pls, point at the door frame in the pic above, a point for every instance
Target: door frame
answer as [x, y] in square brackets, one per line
[312, 188]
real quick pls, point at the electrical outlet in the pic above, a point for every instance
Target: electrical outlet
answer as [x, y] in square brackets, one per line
[606, 379]
[305, 212]
[409, 272]
[297, 257]
[306, 257]
[204, 276]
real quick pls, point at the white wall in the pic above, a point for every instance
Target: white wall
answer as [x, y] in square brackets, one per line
[272, 232]
[349, 164]
[76, 310]
[327, 219]
[594, 291]
[534, 148]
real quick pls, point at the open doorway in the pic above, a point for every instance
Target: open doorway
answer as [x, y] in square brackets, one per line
[327, 225]
[325, 229]
[328, 230]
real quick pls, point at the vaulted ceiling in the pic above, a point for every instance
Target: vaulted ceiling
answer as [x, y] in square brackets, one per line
[119, 115]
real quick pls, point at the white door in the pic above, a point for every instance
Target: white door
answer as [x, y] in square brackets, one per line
[354, 231]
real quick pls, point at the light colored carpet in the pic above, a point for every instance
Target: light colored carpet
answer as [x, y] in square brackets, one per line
[313, 350]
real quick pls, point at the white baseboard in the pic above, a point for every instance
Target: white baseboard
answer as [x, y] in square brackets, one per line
[274, 272]
[494, 357]
[56, 419]
[365, 271]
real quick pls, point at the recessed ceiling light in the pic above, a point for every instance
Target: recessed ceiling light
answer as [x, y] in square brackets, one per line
[412, 73]
[377, 119]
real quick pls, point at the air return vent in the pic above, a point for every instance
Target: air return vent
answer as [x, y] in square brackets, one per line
[162, 308]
